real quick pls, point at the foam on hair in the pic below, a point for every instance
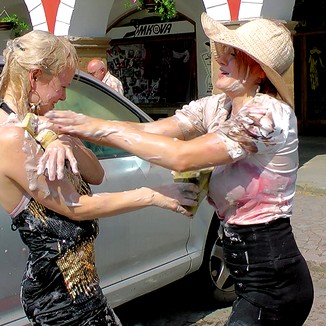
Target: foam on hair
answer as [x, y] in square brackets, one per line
[34, 50]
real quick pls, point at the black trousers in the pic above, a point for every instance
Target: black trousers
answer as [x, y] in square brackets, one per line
[272, 279]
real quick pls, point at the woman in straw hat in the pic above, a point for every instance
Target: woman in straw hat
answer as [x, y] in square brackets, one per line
[248, 134]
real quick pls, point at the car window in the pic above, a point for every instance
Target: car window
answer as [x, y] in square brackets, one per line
[89, 98]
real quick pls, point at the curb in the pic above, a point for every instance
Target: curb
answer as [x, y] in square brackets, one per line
[310, 189]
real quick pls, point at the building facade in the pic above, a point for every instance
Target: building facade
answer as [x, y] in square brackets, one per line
[165, 64]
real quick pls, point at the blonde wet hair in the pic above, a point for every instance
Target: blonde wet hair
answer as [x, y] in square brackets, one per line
[35, 50]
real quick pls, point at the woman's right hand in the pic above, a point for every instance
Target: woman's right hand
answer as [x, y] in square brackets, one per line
[176, 196]
[70, 149]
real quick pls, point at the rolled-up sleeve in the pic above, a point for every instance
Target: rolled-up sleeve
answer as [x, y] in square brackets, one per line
[206, 114]
[261, 127]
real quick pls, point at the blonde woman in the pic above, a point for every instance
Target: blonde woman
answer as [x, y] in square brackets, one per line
[57, 218]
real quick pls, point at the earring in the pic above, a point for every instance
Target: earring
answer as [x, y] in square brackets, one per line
[35, 106]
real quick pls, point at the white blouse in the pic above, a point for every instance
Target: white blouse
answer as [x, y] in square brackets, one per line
[259, 185]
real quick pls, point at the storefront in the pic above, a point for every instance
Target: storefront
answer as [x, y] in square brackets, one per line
[156, 62]
[164, 65]
[310, 67]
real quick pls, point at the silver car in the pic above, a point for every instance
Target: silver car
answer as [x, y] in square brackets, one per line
[137, 252]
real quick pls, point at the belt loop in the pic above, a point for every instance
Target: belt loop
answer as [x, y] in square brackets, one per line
[220, 231]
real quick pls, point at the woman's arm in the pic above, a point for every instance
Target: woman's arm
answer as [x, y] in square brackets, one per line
[18, 173]
[53, 160]
[170, 127]
[172, 153]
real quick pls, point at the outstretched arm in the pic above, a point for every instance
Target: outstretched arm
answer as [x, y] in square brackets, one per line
[53, 160]
[172, 153]
[19, 176]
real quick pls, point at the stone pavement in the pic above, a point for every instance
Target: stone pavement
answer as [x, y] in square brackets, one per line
[309, 219]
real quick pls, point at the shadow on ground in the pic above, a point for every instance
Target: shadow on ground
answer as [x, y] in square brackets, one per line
[180, 298]
[309, 147]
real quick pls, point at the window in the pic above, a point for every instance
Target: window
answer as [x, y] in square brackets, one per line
[91, 98]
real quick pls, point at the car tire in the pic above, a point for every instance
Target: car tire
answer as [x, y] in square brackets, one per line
[223, 282]
[213, 278]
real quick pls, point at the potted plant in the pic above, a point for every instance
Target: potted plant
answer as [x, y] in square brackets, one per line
[12, 22]
[164, 8]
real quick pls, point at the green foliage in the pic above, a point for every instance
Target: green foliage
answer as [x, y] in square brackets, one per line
[19, 26]
[164, 8]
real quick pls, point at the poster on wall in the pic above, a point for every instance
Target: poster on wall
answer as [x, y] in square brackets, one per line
[155, 73]
[316, 66]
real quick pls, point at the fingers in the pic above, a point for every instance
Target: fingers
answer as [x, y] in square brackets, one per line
[72, 161]
[41, 166]
[67, 116]
[183, 211]
[188, 187]
[186, 194]
[64, 119]
[190, 194]
[188, 202]
[189, 191]
[60, 165]
[51, 165]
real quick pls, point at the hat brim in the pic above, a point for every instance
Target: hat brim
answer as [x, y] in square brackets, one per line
[219, 33]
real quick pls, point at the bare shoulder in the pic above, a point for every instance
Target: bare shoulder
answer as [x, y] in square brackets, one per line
[12, 162]
[15, 148]
[11, 136]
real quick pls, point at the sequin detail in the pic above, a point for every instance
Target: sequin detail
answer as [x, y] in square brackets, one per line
[77, 266]
[38, 211]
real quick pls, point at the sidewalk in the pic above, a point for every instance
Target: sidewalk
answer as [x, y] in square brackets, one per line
[309, 213]
[309, 219]
[312, 171]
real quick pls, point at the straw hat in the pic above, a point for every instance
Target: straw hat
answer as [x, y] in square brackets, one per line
[267, 42]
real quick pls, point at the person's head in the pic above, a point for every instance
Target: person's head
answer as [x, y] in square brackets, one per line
[261, 47]
[38, 68]
[97, 69]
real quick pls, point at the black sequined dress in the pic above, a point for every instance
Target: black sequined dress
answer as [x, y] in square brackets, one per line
[60, 284]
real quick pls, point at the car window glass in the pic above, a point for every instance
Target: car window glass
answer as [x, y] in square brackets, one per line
[92, 100]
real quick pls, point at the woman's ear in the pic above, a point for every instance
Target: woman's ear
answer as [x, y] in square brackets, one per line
[33, 76]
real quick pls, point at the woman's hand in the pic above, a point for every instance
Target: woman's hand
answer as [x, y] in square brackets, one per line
[52, 163]
[72, 123]
[71, 150]
[176, 197]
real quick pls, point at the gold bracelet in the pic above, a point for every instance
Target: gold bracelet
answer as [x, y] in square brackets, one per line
[46, 136]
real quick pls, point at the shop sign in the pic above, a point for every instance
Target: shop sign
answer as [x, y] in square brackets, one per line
[149, 30]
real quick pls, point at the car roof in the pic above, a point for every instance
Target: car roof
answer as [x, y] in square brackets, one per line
[99, 84]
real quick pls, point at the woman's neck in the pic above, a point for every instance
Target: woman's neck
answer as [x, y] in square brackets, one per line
[239, 102]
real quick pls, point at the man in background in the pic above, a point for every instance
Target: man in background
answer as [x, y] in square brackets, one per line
[97, 69]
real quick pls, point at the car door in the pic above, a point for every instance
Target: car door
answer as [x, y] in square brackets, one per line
[135, 252]
[130, 246]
